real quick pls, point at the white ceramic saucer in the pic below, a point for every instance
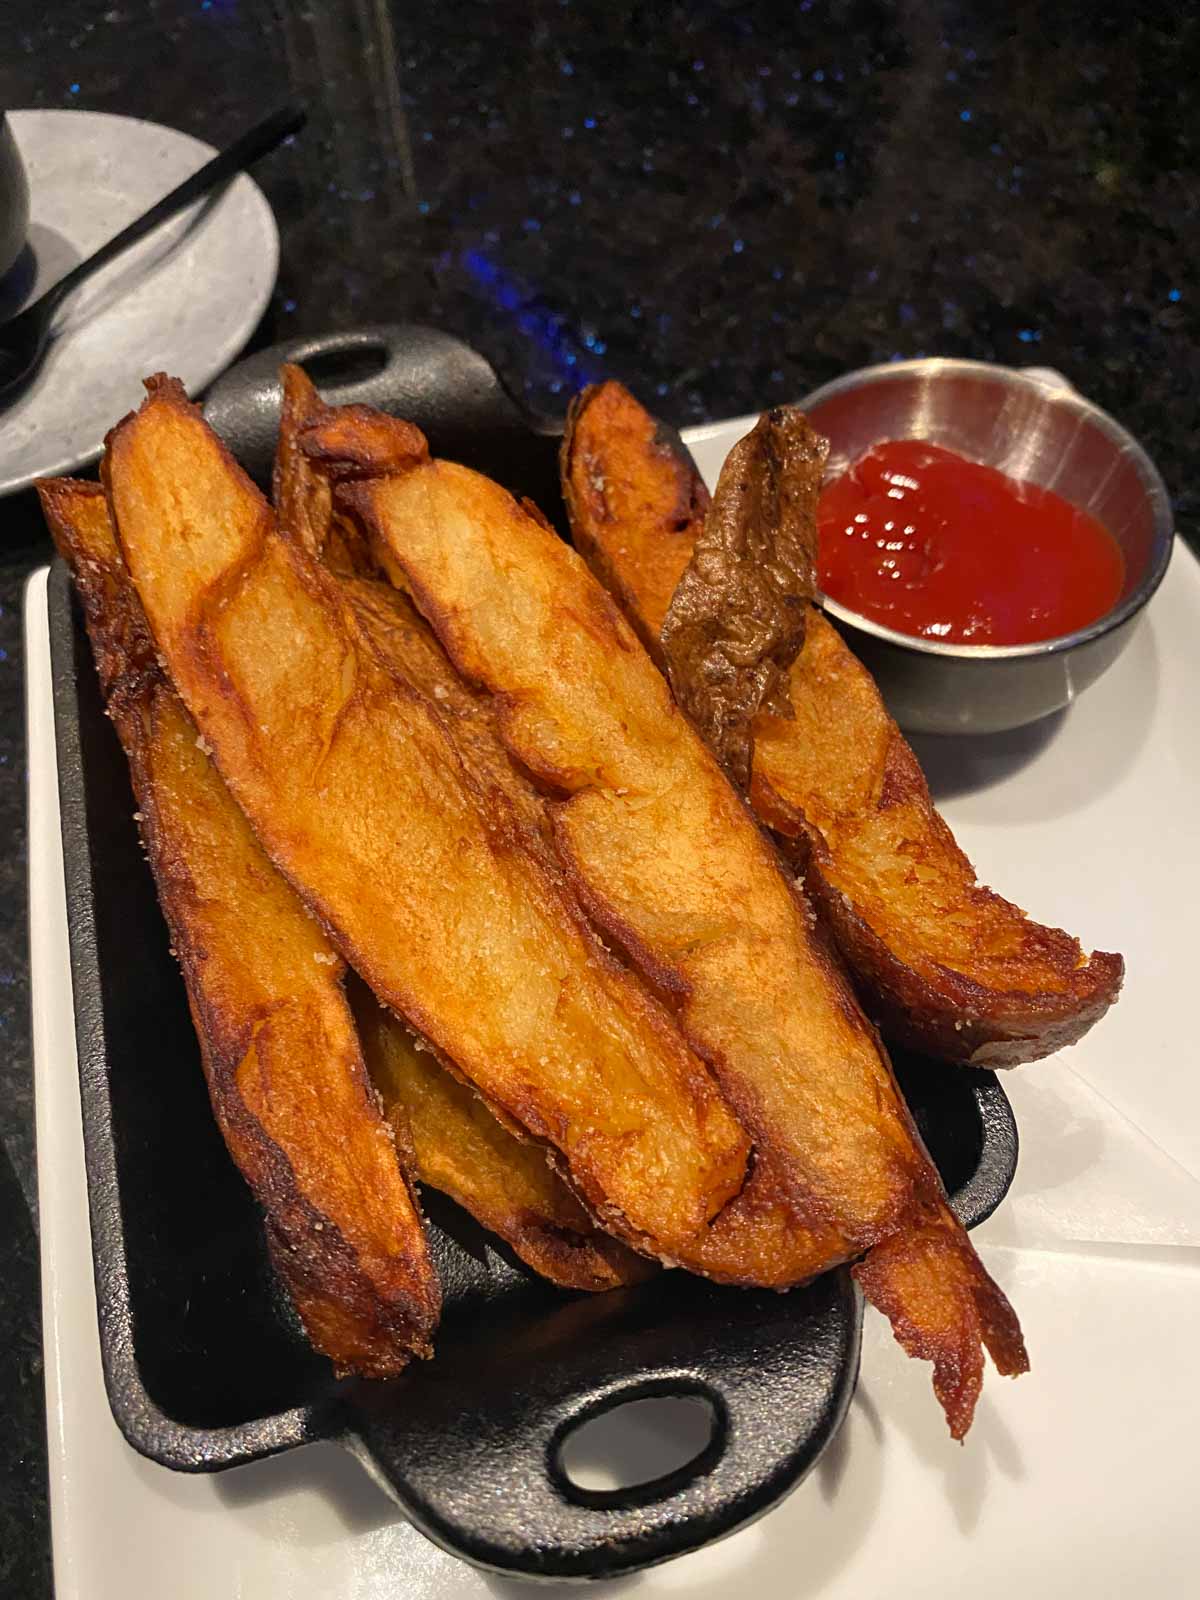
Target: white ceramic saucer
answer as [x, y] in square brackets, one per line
[185, 300]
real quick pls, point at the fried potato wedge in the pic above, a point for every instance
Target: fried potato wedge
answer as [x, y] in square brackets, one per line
[669, 862]
[281, 1057]
[459, 1146]
[424, 879]
[945, 966]
[505, 1183]
[941, 963]
[635, 501]
[736, 622]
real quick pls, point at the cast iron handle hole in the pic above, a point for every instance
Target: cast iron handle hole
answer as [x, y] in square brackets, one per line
[639, 1450]
[333, 369]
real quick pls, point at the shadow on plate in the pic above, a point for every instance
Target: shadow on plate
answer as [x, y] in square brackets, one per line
[47, 256]
[1067, 1144]
[961, 763]
[116, 282]
[357, 1504]
[1101, 735]
[17, 282]
[826, 1518]
[964, 1471]
[791, 1555]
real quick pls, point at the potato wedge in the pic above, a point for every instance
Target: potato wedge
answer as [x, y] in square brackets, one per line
[425, 882]
[459, 1146]
[635, 502]
[279, 1048]
[943, 965]
[669, 862]
[462, 1149]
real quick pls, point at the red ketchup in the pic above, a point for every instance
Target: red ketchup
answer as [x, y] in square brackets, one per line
[928, 543]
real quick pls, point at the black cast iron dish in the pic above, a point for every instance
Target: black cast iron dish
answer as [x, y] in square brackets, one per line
[204, 1361]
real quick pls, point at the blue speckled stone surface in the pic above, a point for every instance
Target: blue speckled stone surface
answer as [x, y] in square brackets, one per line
[722, 203]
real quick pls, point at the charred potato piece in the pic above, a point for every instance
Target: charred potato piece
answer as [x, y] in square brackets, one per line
[736, 621]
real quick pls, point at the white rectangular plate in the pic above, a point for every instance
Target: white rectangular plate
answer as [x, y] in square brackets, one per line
[1080, 1475]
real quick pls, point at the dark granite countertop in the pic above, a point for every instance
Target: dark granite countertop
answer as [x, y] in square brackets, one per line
[722, 203]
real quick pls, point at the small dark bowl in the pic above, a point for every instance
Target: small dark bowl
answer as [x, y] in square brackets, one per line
[14, 198]
[1033, 426]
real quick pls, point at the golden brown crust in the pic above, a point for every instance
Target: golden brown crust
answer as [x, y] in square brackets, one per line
[635, 501]
[942, 964]
[401, 636]
[301, 491]
[285, 1075]
[507, 1184]
[77, 518]
[359, 442]
[736, 620]
[664, 855]
[671, 865]
[926, 1281]
[356, 440]
[359, 794]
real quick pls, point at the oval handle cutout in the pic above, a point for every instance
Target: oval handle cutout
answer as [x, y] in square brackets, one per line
[351, 364]
[640, 1449]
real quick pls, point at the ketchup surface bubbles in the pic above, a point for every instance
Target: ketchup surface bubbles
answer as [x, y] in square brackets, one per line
[922, 540]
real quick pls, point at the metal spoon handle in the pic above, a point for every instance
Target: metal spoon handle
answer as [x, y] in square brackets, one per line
[258, 141]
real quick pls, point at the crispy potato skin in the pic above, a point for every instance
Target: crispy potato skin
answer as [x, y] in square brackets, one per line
[670, 863]
[311, 435]
[664, 856]
[506, 1183]
[400, 634]
[284, 1071]
[736, 622]
[358, 793]
[358, 441]
[942, 964]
